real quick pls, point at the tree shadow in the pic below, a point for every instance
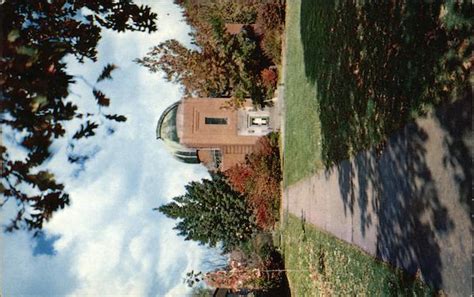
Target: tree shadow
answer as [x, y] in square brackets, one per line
[378, 64]
[397, 186]
[282, 288]
[409, 210]
[376, 67]
[456, 119]
[398, 190]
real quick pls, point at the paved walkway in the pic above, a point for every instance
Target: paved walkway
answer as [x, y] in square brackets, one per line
[410, 205]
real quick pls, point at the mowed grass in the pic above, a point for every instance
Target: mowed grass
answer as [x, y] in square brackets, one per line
[319, 264]
[302, 143]
[356, 72]
[359, 71]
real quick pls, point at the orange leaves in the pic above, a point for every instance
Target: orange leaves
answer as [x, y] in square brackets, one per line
[259, 179]
[269, 77]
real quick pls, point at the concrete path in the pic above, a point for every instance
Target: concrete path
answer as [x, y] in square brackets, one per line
[408, 206]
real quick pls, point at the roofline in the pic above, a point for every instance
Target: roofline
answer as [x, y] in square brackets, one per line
[162, 118]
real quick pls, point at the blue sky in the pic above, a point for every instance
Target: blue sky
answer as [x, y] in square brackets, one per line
[109, 242]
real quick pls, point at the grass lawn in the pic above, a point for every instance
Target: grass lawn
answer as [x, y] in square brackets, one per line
[318, 264]
[302, 143]
[358, 72]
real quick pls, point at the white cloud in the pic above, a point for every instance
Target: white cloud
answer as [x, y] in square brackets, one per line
[111, 241]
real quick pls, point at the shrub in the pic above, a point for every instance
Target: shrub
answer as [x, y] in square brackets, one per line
[271, 46]
[269, 78]
[271, 16]
[271, 19]
[259, 179]
[251, 266]
[238, 176]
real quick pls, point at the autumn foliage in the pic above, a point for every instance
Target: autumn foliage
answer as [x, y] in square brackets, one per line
[259, 179]
[223, 63]
[269, 78]
[271, 19]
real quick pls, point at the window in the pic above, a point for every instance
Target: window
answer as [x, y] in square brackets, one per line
[215, 121]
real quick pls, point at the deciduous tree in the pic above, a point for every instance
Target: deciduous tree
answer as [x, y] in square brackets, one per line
[35, 37]
[222, 65]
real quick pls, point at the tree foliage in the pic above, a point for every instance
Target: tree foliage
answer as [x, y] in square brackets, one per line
[210, 212]
[201, 291]
[34, 84]
[259, 180]
[221, 65]
[229, 11]
[271, 20]
[268, 16]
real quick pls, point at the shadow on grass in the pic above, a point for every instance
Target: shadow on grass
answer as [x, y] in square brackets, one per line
[282, 289]
[398, 186]
[376, 67]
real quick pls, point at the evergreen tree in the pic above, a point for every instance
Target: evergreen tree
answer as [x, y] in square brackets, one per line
[211, 212]
[202, 292]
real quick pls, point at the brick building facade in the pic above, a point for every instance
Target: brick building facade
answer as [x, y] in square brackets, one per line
[199, 130]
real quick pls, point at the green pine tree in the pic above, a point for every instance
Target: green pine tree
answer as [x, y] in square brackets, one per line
[211, 212]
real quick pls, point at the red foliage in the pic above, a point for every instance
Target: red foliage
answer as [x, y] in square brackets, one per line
[269, 78]
[238, 176]
[259, 179]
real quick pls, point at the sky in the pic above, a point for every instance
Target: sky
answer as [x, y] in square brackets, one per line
[109, 241]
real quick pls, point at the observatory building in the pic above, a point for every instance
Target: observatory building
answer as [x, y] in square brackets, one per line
[199, 130]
